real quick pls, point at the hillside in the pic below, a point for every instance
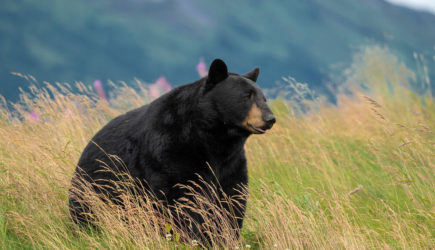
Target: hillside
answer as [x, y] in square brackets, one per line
[84, 41]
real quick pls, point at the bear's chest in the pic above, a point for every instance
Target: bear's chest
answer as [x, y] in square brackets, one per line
[227, 162]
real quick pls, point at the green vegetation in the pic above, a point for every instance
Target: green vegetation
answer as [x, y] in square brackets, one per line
[119, 40]
[359, 174]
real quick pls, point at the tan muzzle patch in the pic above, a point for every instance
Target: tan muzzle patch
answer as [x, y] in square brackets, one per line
[254, 121]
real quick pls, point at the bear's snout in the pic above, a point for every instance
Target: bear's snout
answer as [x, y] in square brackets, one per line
[269, 121]
[259, 119]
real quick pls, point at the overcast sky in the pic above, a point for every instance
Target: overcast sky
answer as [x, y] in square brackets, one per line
[427, 5]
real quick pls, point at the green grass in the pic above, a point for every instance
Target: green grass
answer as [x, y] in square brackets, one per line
[357, 175]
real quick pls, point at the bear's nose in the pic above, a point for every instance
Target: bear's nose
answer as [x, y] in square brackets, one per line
[270, 121]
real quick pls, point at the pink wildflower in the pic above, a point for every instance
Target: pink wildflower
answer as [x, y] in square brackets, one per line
[154, 91]
[160, 87]
[98, 85]
[33, 116]
[202, 69]
[163, 84]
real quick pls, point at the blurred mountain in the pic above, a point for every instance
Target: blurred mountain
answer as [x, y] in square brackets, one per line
[80, 40]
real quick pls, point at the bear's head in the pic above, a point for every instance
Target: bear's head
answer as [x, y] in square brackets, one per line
[237, 99]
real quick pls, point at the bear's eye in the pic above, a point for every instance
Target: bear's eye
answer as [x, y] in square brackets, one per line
[249, 95]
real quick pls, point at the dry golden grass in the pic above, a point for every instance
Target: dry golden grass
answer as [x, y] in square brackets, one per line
[356, 175]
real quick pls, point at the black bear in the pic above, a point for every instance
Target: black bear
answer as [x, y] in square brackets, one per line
[179, 136]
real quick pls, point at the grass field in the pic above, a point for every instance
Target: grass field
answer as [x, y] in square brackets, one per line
[358, 175]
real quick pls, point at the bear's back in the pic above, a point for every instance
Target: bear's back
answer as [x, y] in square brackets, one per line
[116, 138]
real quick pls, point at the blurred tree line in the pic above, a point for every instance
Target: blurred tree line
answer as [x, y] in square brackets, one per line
[66, 41]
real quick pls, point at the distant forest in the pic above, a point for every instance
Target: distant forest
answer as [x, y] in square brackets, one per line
[81, 40]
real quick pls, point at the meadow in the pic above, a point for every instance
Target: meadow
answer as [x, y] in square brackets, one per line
[357, 174]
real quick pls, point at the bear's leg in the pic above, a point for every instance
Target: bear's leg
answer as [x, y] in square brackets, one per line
[236, 206]
[236, 199]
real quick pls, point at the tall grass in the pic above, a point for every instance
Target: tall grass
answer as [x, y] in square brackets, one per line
[359, 174]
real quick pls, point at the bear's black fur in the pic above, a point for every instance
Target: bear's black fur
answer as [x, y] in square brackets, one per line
[171, 140]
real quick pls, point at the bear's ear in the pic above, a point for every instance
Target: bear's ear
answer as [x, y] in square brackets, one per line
[253, 75]
[218, 72]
